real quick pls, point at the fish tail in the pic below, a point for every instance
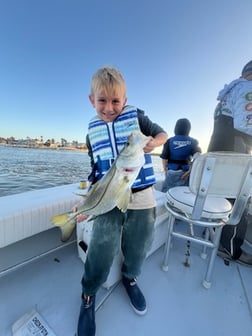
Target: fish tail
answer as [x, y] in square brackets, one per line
[66, 223]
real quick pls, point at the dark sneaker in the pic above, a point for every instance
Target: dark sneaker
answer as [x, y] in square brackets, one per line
[224, 253]
[136, 296]
[245, 259]
[86, 323]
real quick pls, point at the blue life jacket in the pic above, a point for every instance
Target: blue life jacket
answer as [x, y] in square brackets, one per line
[108, 139]
[181, 148]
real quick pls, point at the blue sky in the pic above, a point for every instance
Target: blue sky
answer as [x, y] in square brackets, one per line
[175, 56]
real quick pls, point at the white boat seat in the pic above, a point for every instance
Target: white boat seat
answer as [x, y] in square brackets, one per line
[214, 178]
[184, 199]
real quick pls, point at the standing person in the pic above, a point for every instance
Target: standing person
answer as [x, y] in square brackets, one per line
[177, 155]
[110, 129]
[233, 132]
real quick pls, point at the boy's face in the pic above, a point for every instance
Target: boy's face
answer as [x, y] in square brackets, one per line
[108, 105]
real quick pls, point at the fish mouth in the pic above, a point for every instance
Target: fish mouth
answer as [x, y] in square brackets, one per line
[130, 169]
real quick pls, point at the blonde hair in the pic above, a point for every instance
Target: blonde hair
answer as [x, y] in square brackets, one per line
[108, 79]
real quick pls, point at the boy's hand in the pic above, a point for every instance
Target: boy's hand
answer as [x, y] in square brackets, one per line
[80, 217]
[157, 141]
[149, 146]
[185, 175]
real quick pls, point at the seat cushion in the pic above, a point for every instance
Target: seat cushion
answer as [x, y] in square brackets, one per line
[183, 199]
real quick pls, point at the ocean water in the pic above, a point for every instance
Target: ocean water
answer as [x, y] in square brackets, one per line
[25, 169]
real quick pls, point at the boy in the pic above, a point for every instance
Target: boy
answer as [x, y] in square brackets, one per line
[177, 155]
[107, 132]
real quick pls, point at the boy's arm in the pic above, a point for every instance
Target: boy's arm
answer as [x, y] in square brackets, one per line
[164, 164]
[165, 155]
[159, 136]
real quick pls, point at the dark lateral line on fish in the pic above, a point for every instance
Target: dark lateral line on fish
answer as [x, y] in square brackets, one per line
[98, 202]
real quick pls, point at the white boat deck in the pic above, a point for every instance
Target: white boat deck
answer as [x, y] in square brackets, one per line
[178, 304]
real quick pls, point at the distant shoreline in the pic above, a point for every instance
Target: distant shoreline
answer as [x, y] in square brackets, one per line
[45, 147]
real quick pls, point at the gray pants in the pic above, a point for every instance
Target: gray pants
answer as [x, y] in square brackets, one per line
[173, 179]
[133, 231]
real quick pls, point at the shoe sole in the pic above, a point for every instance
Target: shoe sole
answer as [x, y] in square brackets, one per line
[243, 263]
[227, 258]
[224, 255]
[139, 312]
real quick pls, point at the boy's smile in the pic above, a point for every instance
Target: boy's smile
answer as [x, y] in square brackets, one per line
[108, 106]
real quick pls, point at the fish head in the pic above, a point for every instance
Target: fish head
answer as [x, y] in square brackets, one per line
[131, 158]
[137, 140]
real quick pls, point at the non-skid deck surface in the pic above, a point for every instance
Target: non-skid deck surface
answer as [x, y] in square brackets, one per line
[177, 302]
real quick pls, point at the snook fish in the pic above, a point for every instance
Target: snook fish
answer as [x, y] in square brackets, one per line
[113, 190]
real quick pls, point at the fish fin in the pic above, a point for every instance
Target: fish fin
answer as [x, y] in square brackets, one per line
[124, 201]
[84, 196]
[67, 231]
[60, 220]
[66, 223]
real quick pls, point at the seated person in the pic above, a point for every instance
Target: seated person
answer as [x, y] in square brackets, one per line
[177, 154]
